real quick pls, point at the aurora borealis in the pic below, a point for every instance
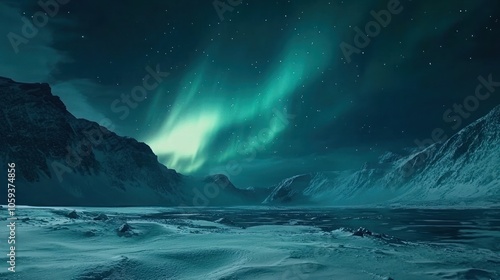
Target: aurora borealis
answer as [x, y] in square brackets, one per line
[212, 101]
[267, 92]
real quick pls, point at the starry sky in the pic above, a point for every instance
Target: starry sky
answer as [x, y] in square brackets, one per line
[259, 90]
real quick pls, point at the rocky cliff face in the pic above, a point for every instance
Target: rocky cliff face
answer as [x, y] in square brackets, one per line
[62, 160]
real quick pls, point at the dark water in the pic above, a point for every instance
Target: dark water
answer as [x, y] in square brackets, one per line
[478, 228]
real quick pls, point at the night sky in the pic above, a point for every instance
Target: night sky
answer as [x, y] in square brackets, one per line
[260, 90]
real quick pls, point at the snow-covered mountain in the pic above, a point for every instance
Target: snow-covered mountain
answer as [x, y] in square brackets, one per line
[464, 170]
[62, 160]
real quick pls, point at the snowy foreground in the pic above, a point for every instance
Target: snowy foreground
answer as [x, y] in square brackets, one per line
[254, 243]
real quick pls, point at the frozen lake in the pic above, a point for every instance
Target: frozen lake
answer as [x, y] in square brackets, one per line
[255, 243]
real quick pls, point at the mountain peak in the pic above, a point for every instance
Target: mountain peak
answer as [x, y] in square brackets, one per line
[5, 80]
[64, 160]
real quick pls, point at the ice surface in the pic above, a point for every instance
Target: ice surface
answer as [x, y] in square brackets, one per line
[256, 243]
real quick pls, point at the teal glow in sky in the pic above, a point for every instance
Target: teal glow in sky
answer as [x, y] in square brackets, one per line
[228, 79]
[212, 102]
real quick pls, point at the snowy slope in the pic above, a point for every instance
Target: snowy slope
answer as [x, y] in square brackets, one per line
[462, 170]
